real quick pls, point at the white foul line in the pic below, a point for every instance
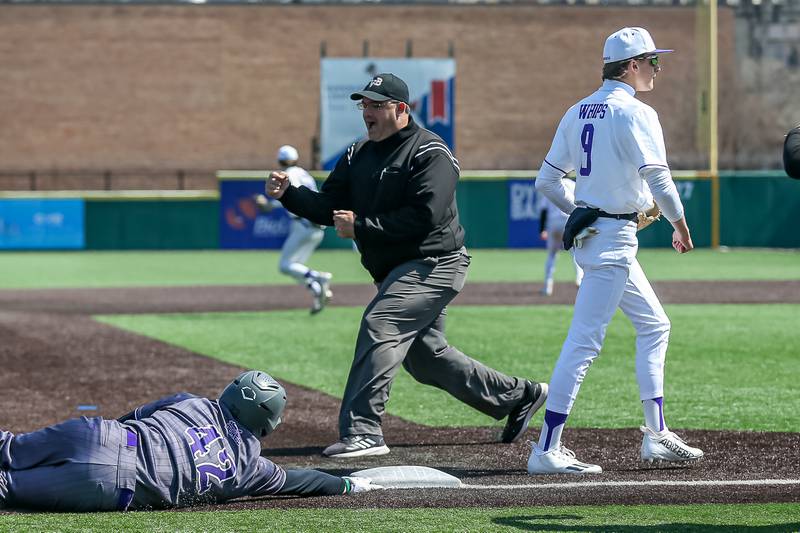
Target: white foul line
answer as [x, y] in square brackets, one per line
[595, 484]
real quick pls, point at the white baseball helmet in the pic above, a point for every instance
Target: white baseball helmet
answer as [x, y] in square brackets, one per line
[288, 153]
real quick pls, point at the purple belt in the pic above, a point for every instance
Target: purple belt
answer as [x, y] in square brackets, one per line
[126, 495]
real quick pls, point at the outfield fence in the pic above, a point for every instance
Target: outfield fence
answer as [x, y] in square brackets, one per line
[498, 210]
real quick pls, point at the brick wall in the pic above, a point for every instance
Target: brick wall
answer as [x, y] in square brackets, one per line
[207, 87]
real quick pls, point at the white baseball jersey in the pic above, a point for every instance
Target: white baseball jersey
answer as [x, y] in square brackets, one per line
[297, 177]
[596, 134]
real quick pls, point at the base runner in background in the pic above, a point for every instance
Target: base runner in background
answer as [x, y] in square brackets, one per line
[615, 145]
[304, 236]
[179, 451]
[551, 229]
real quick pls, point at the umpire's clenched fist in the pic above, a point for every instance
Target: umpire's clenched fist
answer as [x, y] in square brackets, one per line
[344, 221]
[277, 183]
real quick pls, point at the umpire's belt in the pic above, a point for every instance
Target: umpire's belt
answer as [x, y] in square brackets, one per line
[625, 216]
[127, 476]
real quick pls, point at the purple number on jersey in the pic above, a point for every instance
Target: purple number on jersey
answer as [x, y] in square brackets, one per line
[586, 142]
[209, 466]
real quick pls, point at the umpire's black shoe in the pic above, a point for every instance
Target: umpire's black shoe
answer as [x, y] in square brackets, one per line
[520, 415]
[357, 446]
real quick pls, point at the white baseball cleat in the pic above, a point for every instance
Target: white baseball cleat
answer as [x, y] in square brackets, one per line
[559, 460]
[547, 288]
[321, 289]
[320, 296]
[324, 279]
[666, 446]
[324, 276]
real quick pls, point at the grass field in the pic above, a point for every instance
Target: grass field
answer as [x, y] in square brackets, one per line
[37, 270]
[726, 362]
[637, 518]
[736, 364]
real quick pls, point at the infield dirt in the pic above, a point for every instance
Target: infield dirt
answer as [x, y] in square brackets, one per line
[56, 357]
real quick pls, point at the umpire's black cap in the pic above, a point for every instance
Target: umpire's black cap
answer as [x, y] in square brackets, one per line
[384, 87]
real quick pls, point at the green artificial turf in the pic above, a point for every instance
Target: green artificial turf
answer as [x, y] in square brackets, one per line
[23, 270]
[728, 367]
[619, 518]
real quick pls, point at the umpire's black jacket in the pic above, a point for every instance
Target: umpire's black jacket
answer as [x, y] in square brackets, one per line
[403, 193]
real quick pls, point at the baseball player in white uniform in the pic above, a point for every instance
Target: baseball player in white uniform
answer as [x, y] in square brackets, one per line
[304, 236]
[552, 221]
[615, 145]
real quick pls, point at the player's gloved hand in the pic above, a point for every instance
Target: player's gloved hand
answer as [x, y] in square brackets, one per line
[360, 484]
[648, 216]
[585, 233]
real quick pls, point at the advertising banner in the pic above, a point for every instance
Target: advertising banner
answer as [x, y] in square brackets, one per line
[242, 224]
[523, 220]
[431, 85]
[40, 223]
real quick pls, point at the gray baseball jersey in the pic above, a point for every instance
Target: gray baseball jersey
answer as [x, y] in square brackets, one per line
[191, 450]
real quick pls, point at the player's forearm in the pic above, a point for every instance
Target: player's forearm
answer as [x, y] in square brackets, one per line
[307, 482]
[681, 226]
[548, 182]
[664, 191]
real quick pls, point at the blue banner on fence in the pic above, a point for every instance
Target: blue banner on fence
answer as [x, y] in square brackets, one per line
[38, 223]
[242, 224]
[523, 220]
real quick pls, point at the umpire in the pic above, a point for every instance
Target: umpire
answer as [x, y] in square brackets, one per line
[394, 194]
[791, 153]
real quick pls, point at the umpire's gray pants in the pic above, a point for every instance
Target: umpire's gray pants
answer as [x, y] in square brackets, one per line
[78, 465]
[404, 324]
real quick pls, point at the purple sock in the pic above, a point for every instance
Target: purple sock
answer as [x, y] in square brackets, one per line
[552, 422]
[654, 413]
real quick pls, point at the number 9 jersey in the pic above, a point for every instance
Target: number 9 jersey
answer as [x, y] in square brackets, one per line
[598, 133]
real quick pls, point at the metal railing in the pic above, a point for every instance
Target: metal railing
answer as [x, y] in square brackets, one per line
[106, 179]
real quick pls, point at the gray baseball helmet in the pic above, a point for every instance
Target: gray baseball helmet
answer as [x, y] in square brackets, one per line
[256, 400]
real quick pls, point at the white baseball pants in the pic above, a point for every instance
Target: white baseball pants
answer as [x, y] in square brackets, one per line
[303, 239]
[612, 278]
[555, 244]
